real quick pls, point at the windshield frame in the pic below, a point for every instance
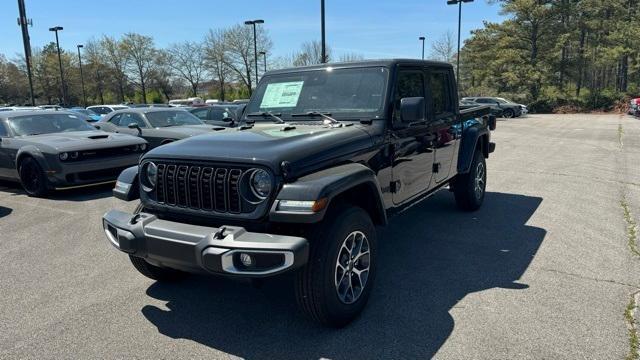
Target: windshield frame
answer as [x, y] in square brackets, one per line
[10, 123]
[380, 113]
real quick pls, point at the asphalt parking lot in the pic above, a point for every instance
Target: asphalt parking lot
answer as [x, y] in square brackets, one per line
[544, 270]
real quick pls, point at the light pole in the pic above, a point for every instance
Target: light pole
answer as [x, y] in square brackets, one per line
[423, 39]
[23, 22]
[255, 43]
[459, 2]
[264, 54]
[322, 32]
[84, 96]
[64, 95]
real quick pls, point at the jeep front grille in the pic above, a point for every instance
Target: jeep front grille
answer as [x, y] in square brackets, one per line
[204, 188]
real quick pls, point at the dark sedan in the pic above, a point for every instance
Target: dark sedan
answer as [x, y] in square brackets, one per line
[508, 109]
[46, 150]
[158, 126]
[220, 115]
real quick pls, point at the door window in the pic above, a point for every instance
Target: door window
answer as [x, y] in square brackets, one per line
[440, 93]
[410, 84]
[3, 131]
[201, 113]
[129, 118]
[115, 120]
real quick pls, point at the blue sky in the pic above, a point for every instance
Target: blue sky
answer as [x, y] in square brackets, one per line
[373, 28]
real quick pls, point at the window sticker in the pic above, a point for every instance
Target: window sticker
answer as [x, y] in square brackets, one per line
[280, 95]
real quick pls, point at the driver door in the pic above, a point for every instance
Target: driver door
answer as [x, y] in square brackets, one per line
[412, 145]
[7, 154]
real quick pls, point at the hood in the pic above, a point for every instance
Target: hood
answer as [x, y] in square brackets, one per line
[304, 147]
[83, 140]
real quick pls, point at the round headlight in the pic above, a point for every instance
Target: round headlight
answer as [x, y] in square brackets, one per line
[152, 174]
[64, 156]
[260, 183]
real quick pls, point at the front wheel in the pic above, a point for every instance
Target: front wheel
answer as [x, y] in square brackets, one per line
[334, 286]
[32, 177]
[508, 114]
[469, 188]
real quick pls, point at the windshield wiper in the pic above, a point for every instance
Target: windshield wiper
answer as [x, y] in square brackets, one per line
[275, 116]
[326, 116]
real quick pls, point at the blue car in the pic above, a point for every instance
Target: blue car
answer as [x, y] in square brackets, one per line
[90, 113]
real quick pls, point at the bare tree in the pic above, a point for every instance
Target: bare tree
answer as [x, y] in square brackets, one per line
[216, 58]
[311, 54]
[116, 56]
[239, 49]
[444, 47]
[142, 58]
[95, 67]
[348, 57]
[187, 59]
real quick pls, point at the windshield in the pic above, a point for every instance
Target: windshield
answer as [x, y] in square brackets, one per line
[503, 101]
[47, 124]
[354, 92]
[172, 118]
[116, 108]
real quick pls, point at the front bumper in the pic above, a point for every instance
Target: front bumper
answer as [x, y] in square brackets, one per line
[202, 249]
[72, 174]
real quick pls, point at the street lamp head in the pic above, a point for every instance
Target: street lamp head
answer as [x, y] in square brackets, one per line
[258, 21]
[248, 22]
[80, 46]
[421, 38]
[56, 28]
[263, 53]
[454, 2]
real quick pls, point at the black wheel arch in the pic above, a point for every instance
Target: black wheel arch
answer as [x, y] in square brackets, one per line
[353, 183]
[474, 138]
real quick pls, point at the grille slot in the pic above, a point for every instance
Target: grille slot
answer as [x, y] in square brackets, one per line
[215, 189]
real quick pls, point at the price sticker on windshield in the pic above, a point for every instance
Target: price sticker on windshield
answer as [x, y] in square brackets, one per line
[282, 95]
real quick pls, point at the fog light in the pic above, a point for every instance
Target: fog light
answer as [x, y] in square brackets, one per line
[246, 259]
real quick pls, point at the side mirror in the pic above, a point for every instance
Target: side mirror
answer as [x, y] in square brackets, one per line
[135, 126]
[412, 110]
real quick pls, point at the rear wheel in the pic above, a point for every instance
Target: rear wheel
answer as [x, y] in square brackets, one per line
[469, 188]
[334, 286]
[32, 177]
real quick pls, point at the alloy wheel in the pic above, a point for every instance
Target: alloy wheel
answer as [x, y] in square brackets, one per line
[352, 267]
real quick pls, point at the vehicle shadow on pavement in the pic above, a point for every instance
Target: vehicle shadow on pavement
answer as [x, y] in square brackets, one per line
[429, 258]
[78, 194]
[5, 211]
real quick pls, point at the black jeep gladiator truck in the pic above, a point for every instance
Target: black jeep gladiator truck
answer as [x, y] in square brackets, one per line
[320, 156]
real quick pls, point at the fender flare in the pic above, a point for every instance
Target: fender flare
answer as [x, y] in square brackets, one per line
[470, 137]
[33, 152]
[329, 184]
[127, 186]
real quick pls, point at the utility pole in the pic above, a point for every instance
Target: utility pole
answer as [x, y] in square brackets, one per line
[264, 54]
[322, 31]
[255, 43]
[84, 95]
[459, 3]
[64, 92]
[23, 22]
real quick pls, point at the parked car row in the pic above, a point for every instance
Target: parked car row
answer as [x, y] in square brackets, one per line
[500, 107]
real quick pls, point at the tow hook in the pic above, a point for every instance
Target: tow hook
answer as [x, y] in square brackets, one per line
[220, 234]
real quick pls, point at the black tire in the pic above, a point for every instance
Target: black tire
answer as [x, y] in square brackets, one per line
[508, 114]
[32, 178]
[317, 293]
[154, 272]
[469, 193]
